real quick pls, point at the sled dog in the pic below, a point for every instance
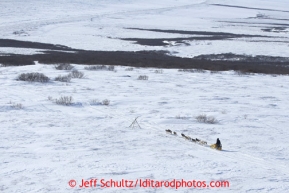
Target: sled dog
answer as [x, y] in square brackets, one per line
[202, 142]
[169, 131]
[188, 138]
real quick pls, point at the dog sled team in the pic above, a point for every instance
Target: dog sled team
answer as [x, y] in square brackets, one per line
[217, 145]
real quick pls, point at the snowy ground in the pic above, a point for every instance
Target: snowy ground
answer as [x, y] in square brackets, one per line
[44, 145]
[100, 25]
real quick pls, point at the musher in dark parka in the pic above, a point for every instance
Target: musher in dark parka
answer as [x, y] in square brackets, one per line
[218, 144]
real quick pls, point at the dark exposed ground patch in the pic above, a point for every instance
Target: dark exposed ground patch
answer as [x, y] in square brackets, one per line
[255, 8]
[276, 41]
[241, 22]
[203, 35]
[158, 59]
[244, 58]
[276, 29]
[34, 45]
[150, 59]
[268, 18]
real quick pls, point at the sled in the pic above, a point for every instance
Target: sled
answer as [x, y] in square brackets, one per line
[213, 146]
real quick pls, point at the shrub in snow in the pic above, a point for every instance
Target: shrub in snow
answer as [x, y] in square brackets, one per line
[192, 70]
[50, 98]
[76, 74]
[99, 67]
[143, 77]
[33, 77]
[201, 118]
[159, 71]
[106, 102]
[95, 67]
[214, 72]
[211, 120]
[64, 67]
[206, 119]
[66, 78]
[17, 106]
[64, 100]
[110, 68]
[129, 69]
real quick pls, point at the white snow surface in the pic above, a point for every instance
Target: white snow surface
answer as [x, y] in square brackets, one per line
[44, 145]
[100, 24]
[12, 50]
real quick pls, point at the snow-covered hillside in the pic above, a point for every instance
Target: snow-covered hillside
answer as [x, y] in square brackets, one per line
[44, 145]
[102, 25]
